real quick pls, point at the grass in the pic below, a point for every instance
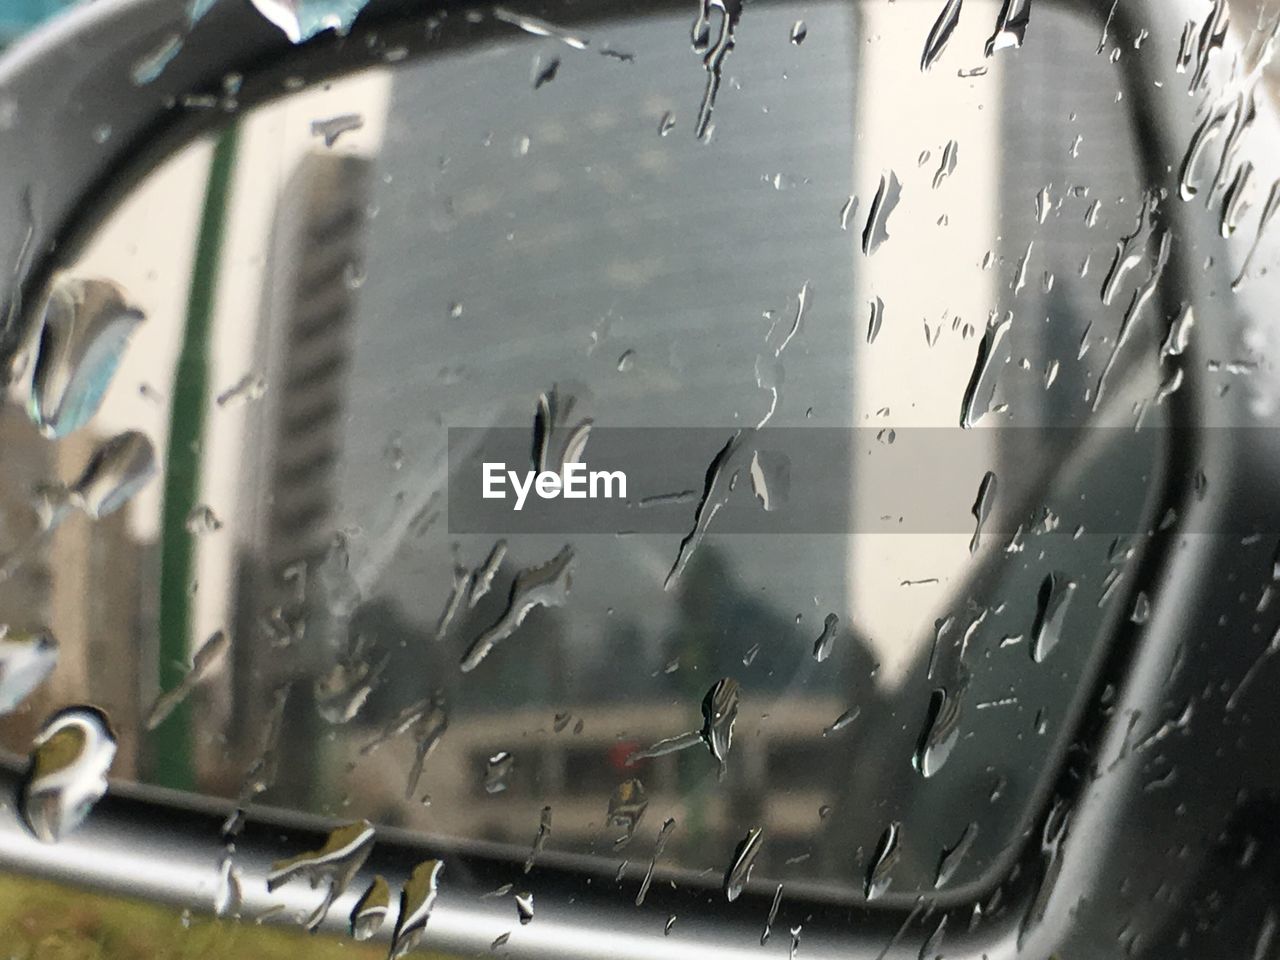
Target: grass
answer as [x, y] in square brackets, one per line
[41, 920]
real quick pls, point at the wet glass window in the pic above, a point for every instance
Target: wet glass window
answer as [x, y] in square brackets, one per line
[865, 301]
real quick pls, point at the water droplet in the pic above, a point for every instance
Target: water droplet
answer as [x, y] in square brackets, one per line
[498, 772]
[482, 580]
[886, 200]
[85, 328]
[713, 54]
[300, 20]
[417, 897]
[228, 896]
[986, 369]
[429, 726]
[744, 859]
[524, 907]
[341, 592]
[542, 586]
[885, 858]
[1141, 297]
[773, 915]
[950, 156]
[342, 691]
[941, 729]
[1213, 31]
[26, 660]
[798, 32]
[67, 771]
[354, 275]
[334, 865]
[261, 772]
[982, 508]
[248, 388]
[539, 839]
[1051, 373]
[718, 482]
[1141, 608]
[626, 809]
[1020, 276]
[843, 720]
[334, 127]
[1210, 128]
[932, 947]
[1179, 334]
[149, 67]
[462, 585]
[847, 211]
[1235, 201]
[371, 909]
[1053, 836]
[1268, 214]
[822, 646]
[1051, 609]
[118, 469]
[1171, 384]
[658, 846]
[719, 713]
[940, 33]
[770, 474]
[876, 320]
[202, 520]
[204, 661]
[539, 28]
[544, 71]
[1044, 204]
[950, 859]
[1011, 26]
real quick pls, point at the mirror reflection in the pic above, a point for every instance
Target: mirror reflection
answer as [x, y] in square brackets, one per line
[225, 489]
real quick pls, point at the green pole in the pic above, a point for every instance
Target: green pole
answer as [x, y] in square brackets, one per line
[171, 743]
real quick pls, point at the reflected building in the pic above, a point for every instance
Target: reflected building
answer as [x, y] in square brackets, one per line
[286, 508]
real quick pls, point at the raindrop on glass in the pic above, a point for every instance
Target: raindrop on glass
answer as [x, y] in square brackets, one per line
[744, 860]
[333, 866]
[1052, 602]
[371, 909]
[498, 772]
[26, 660]
[822, 646]
[885, 858]
[67, 771]
[524, 907]
[85, 328]
[202, 520]
[626, 809]
[417, 897]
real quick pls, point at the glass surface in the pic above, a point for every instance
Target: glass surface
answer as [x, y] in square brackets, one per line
[440, 242]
